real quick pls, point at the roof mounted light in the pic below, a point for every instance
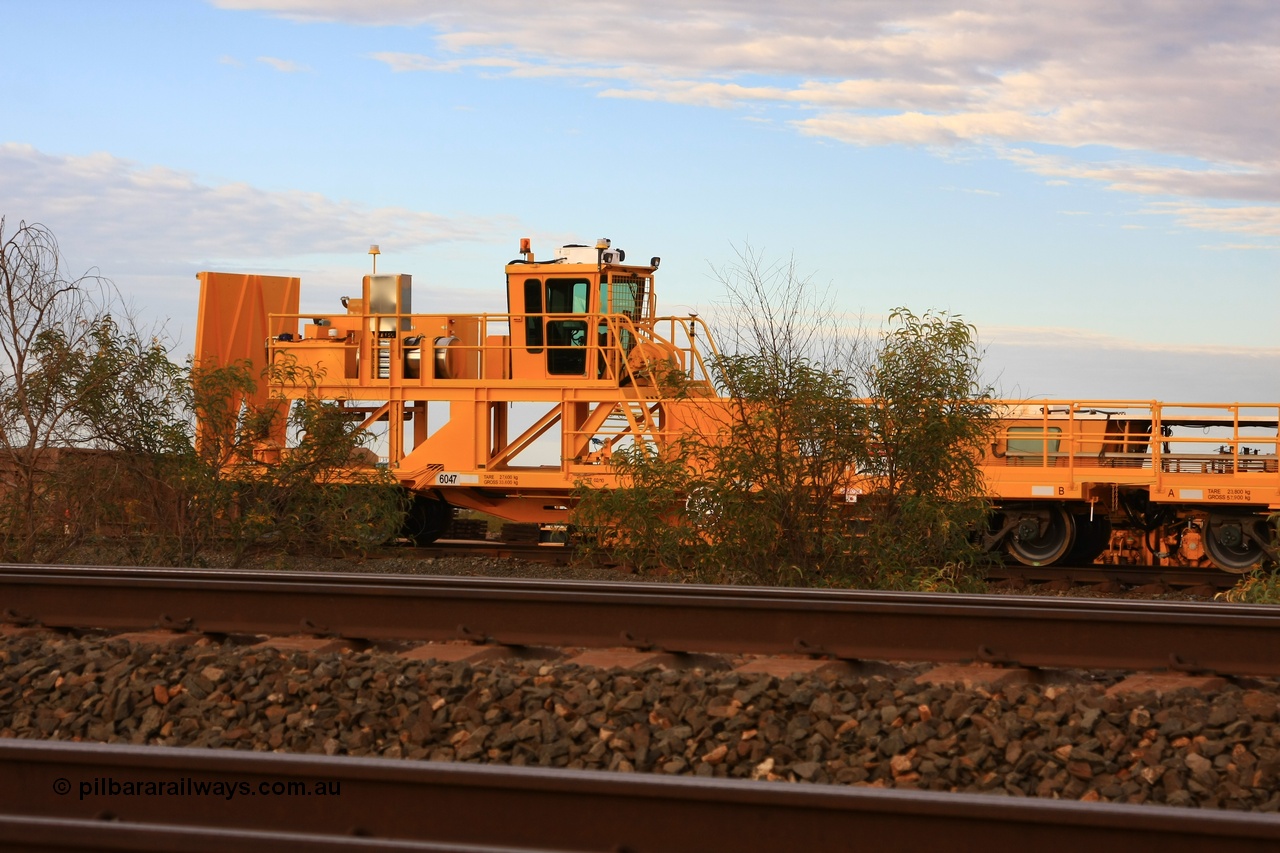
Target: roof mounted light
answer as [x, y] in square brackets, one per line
[654, 261]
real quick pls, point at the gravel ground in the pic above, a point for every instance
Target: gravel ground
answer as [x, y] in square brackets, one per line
[1068, 739]
[1065, 736]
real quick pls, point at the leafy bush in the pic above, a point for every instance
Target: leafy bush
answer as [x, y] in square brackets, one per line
[314, 491]
[1261, 586]
[106, 443]
[929, 418]
[829, 463]
[642, 525]
[1257, 587]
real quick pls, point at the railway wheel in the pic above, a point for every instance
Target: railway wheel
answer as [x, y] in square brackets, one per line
[1230, 547]
[1041, 537]
[426, 519]
[1092, 538]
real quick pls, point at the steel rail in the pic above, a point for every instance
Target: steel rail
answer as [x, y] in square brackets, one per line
[1127, 575]
[45, 834]
[1028, 631]
[455, 803]
[530, 552]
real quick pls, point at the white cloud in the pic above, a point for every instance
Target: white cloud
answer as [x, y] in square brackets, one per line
[970, 191]
[1060, 363]
[1261, 220]
[1220, 182]
[1060, 337]
[1237, 247]
[152, 216]
[384, 12]
[284, 66]
[402, 62]
[1195, 84]
[150, 229]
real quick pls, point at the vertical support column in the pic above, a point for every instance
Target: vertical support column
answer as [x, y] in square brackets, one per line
[573, 416]
[573, 440]
[480, 433]
[395, 433]
[1157, 447]
[419, 422]
[395, 403]
[497, 428]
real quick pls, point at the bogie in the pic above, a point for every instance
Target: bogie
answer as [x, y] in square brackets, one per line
[1041, 536]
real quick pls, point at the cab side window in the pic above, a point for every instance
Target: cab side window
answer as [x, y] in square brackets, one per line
[532, 306]
[567, 339]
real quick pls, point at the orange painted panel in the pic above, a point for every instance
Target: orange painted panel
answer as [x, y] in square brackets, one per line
[233, 323]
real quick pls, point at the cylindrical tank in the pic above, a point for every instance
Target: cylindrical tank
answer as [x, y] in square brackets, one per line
[413, 357]
[443, 368]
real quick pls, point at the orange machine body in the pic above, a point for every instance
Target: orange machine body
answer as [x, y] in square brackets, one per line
[1135, 481]
[508, 413]
[573, 359]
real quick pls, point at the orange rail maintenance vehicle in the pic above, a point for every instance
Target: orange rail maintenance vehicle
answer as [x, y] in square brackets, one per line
[507, 413]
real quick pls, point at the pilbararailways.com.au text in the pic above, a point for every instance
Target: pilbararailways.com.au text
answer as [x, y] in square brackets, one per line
[108, 786]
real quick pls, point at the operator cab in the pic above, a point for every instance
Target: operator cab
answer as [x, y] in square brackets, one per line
[576, 315]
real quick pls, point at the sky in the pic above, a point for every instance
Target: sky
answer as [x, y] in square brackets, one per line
[1094, 185]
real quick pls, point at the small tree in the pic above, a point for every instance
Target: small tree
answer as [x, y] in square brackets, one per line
[221, 438]
[929, 417]
[130, 405]
[319, 493]
[754, 498]
[643, 525]
[47, 326]
[98, 435]
[768, 480]
[812, 415]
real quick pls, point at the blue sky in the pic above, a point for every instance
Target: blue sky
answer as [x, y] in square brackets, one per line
[1095, 185]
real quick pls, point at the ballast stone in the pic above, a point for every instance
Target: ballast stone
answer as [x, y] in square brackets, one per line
[1073, 739]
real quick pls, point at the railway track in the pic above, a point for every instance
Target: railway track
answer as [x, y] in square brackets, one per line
[377, 804]
[1116, 576]
[493, 549]
[1067, 575]
[848, 625]
[414, 805]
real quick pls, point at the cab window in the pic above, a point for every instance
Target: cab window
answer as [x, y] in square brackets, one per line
[1034, 442]
[567, 339]
[532, 306]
